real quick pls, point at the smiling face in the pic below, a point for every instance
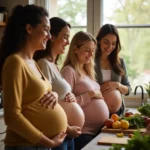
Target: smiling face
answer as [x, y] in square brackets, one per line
[85, 53]
[60, 42]
[39, 35]
[108, 44]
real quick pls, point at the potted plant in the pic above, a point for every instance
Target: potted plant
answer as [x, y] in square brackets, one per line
[147, 88]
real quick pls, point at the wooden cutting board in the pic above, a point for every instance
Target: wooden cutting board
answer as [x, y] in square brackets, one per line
[111, 130]
[109, 140]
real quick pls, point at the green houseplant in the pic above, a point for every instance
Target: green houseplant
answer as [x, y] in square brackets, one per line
[147, 88]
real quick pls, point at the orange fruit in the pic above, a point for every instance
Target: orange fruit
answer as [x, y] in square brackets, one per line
[124, 124]
[115, 117]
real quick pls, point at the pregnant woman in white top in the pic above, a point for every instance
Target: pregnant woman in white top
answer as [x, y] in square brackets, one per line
[48, 60]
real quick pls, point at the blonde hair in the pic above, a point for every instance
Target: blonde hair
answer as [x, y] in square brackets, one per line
[79, 39]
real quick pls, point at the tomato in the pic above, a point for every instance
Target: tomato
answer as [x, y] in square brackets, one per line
[108, 123]
[130, 135]
[147, 122]
[127, 114]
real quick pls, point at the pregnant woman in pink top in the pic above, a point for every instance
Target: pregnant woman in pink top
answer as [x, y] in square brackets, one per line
[78, 70]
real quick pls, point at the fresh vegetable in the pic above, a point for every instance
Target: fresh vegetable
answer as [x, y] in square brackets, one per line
[147, 122]
[135, 121]
[120, 134]
[130, 135]
[115, 117]
[124, 124]
[108, 123]
[127, 114]
[147, 87]
[137, 142]
[145, 110]
[116, 125]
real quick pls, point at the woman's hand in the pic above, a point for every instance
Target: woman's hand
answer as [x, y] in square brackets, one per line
[95, 94]
[52, 142]
[110, 86]
[49, 99]
[73, 131]
[58, 139]
[70, 97]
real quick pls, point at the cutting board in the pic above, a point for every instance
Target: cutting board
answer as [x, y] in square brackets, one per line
[109, 140]
[111, 130]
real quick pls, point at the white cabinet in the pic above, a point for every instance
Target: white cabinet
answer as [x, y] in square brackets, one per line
[2, 132]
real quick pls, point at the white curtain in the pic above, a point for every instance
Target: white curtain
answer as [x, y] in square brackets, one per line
[43, 3]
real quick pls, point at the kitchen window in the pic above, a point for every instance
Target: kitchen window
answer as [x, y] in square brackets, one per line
[132, 17]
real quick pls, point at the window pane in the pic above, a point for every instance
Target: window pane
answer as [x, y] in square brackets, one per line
[127, 11]
[75, 30]
[73, 11]
[135, 51]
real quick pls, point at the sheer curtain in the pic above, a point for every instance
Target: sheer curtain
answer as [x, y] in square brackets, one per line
[43, 3]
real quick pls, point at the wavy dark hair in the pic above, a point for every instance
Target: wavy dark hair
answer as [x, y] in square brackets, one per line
[113, 57]
[56, 24]
[14, 37]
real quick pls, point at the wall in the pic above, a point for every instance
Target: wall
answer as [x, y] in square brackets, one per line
[9, 5]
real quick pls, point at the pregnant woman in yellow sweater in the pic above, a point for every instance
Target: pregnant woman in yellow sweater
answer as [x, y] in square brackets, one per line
[29, 124]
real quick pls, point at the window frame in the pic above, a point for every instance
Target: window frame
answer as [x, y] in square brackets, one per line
[94, 22]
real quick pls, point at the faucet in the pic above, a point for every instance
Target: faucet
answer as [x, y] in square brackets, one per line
[142, 94]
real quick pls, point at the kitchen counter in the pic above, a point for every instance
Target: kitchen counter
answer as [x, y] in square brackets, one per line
[93, 144]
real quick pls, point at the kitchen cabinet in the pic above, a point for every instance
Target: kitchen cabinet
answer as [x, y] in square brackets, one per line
[2, 130]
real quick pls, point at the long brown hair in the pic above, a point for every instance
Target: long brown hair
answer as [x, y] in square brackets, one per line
[56, 24]
[113, 57]
[15, 33]
[79, 39]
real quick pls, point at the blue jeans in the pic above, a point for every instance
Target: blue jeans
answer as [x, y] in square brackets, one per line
[26, 148]
[83, 140]
[68, 144]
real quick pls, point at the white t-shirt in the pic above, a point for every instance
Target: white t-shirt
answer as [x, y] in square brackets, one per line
[59, 84]
[106, 75]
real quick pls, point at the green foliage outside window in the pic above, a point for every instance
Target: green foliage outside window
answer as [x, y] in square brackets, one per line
[135, 41]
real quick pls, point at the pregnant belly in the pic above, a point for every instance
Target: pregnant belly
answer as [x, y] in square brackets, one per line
[96, 112]
[113, 100]
[49, 121]
[74, 112]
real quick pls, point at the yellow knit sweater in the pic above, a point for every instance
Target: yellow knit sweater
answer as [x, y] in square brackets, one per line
[25, 117]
